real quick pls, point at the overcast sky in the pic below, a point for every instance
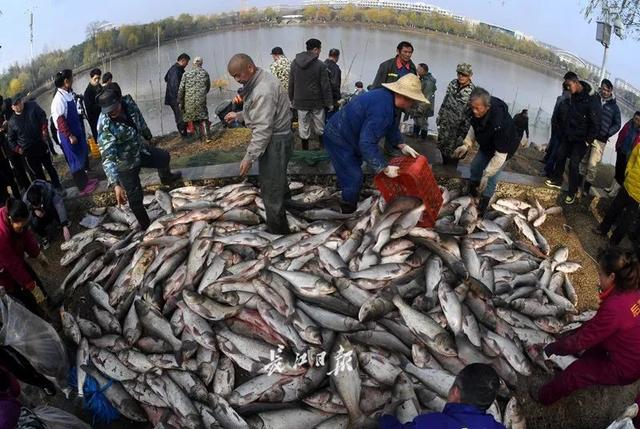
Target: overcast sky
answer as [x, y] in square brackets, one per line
[62, 23]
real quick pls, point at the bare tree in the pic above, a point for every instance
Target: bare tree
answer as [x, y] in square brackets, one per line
[93, 28]
[627, 10]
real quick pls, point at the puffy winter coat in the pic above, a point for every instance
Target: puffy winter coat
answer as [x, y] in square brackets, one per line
[581, 122]
[610, 120]
[309, 85]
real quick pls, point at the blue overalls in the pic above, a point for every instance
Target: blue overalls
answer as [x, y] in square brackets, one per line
[76, 154]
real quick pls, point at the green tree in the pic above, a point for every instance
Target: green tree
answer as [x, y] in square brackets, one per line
[271, 15]
[310, 13]
[347, 13]
[324, 13]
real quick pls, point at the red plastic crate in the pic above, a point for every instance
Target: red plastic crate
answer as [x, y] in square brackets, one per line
[415, 179]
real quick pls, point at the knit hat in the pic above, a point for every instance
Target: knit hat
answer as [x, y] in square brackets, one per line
[464, 68]
[408, 85]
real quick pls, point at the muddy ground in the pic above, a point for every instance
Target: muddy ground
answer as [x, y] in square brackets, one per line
[593, 408]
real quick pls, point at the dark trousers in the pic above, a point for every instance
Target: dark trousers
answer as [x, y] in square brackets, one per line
[272, 167]
[177, 115]
[41, 224]
[551, 155]
[7, 179]
[19, 170]
[593, 368]
[80, 178]
[623, 211]
[130, 180]
[37, 156]
[621, 167]
[574, 152]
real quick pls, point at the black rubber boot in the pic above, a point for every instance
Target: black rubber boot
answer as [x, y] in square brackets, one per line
[320, 142]
[473, 189]
[168, 178]
[483, 205]
[348, 208]
[587, 187]
[305, 144]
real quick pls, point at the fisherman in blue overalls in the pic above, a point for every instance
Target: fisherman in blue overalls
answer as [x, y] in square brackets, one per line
[352, 134]
[68, 123]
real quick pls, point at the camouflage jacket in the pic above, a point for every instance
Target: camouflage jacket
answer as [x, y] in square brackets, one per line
[120, 142]
[192, 94]
[454, 103]
[280, 69]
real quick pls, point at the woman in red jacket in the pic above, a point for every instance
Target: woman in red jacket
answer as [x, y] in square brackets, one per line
[609, 342]
[16, 240]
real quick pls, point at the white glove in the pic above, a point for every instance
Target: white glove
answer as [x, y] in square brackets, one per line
[524, 142]
[409, 151]
[460, 152]
[391, 171]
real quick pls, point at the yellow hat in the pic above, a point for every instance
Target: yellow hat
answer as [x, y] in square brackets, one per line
[408, 85]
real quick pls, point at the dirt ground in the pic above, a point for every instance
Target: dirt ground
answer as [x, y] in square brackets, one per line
[593, 408]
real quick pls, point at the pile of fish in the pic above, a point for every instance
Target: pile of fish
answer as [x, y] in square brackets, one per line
[207, 320]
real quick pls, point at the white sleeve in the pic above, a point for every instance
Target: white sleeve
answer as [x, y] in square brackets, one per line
[58, 108]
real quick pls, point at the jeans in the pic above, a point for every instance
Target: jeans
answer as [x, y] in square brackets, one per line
[36, 157]
[574, 152]
[130, 180]
[272, 167]
[477, 168]
[623, 211]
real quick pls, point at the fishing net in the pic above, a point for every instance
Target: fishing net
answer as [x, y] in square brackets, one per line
[310, 157]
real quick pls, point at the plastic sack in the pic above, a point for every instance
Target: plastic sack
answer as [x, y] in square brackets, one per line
[55, 418]
[35, 339]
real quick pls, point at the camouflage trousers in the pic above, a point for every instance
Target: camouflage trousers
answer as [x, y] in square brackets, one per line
[450, 136]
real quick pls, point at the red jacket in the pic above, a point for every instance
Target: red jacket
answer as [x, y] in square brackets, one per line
[615, 328]
[13, 272]
[622, 135]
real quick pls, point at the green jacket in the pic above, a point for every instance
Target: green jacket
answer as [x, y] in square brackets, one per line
[121, 142]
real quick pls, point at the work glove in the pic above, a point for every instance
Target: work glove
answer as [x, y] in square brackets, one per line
[461, 151]
[524, 142]
[38, 295]
[391, 171]
[409, 151]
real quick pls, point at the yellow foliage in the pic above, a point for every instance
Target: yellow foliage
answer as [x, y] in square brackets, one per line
[15, 86]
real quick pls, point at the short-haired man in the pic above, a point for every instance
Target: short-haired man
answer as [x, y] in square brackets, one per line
[493, 129]
[610, 123]
[310, 92]
[107, 78]
[396, 67]
[474, 390]
[173, 78]
[335, 78]
[92, 109]
[522, 124]
[266, 112]
[122, 132]
[280, 67]
[580, 126]
[421, 112]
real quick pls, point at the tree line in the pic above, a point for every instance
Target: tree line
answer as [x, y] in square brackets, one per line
[445, 24]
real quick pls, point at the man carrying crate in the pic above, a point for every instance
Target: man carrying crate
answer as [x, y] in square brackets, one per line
[352, 134]
[495, 132]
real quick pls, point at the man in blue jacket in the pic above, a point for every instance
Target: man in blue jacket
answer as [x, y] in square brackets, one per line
[473, 391]
[353, 133]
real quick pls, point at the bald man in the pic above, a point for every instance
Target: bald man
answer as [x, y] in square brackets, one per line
[266, 111]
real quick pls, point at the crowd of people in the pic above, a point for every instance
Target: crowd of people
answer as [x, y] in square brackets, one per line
[350, 127]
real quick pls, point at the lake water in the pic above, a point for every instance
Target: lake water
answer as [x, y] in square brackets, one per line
[519, 84]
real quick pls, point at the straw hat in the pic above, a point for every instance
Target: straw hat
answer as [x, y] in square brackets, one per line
[408, 85]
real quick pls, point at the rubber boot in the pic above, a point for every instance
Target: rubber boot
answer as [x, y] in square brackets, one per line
[483, 205]
[305, 144]
[348, 208]
[320, 142]
[473, 189]
[587, 187]
[168, 178]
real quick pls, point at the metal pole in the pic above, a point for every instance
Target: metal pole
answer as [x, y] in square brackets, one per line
[160, 86]
[604, 63]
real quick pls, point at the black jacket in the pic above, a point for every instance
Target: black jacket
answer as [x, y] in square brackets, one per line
[335, 78]
[581, 122]
[92, 106]
[610, 120]
[25, 129]
[173, 78]
[309, 86]
[388, 72]
[496, 131]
